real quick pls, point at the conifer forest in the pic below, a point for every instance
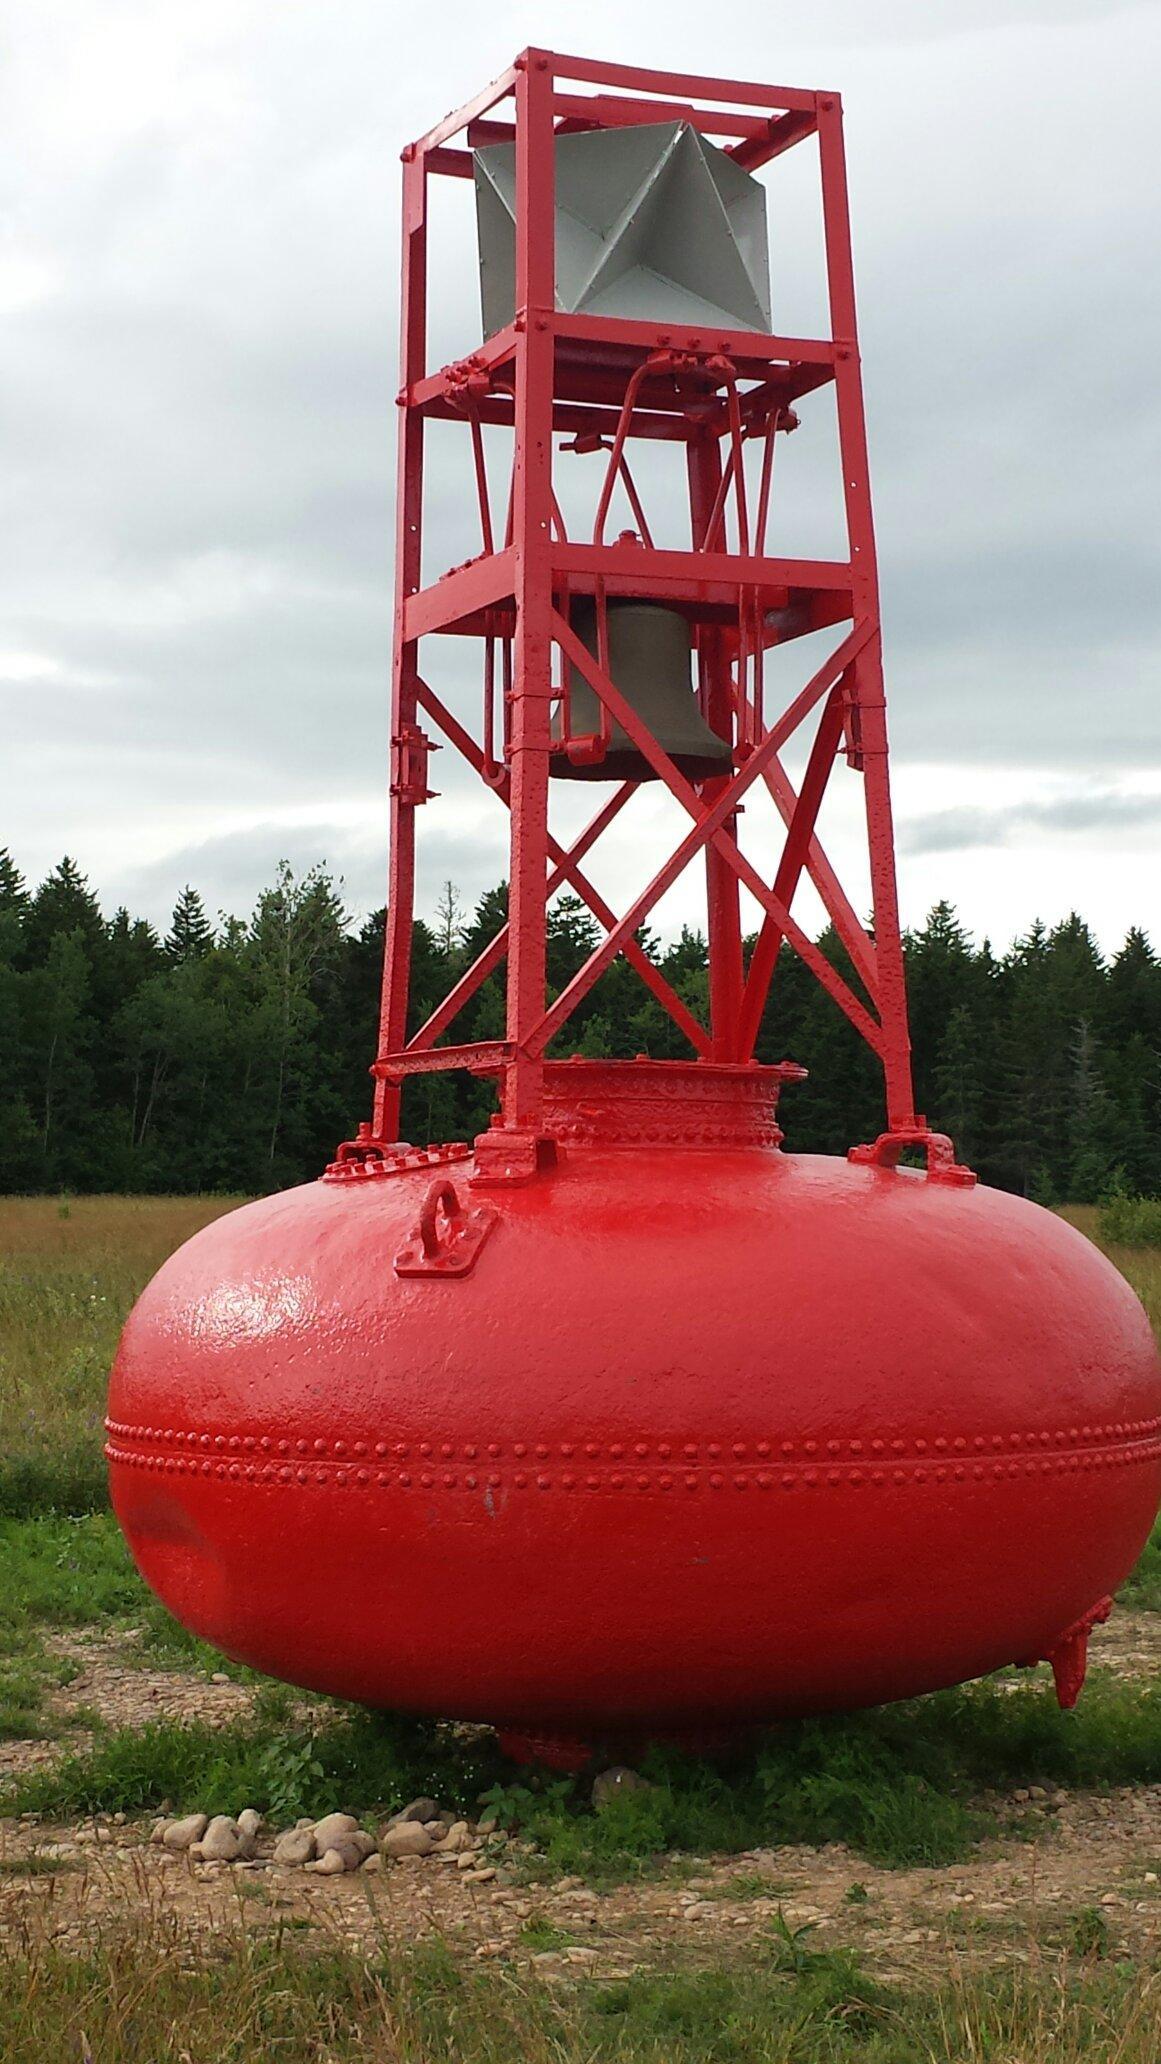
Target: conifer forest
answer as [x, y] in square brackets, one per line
[231, 1055]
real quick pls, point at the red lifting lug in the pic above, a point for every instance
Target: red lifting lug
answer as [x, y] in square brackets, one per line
[410, 751]
[448, 1238]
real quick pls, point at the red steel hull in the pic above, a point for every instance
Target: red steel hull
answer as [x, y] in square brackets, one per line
[705, 1437]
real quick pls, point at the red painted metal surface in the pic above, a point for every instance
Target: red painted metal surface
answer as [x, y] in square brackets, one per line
[707, 1432]
[621, 1420]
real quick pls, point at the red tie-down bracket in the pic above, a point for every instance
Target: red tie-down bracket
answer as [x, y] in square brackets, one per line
[411, 749]
[942, 1166]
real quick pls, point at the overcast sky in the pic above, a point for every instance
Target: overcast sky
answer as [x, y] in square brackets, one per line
[198, 275]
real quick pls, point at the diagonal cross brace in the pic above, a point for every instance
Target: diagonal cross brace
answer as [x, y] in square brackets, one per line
[568, 870]
[709, 822]
[800, 831]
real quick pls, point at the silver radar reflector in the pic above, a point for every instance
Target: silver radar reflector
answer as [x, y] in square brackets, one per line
[652, 223]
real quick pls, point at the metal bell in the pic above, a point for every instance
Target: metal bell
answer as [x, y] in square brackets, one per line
[649, 660]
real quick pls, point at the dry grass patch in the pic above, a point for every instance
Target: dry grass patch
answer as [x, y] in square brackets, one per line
[70, 1268]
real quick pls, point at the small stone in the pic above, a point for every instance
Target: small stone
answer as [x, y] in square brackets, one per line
[1037, 1791]
[250, 1822]
[330, 1827]
[119, 1819]
[486, 1826]
[1022, 1796]
[1109, 1899]
[575, 1955]
[619, 1779]
[465, 1859]
[421, 1810]
[352, 1850]
[490, 1949]
[157, 1832]
[330, 1865]
[567, 1884]
[699, 1910]
[374, 1861]
[1150, 1877]
[223, 1841]
[479, 1877]
[219, 1677]
[406, 1838]
[546, 1956]
[296, 1847]
[180, 1834]
[457, 1837]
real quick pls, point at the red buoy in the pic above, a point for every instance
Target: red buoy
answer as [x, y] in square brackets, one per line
[620, 1421]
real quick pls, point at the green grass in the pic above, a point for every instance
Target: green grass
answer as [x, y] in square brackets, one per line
[125, 2002]
[1143, 1590]
[61, 1572]
[900, 1785]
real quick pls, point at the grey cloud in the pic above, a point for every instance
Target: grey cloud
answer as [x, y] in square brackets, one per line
[198, 415]
[965, 826]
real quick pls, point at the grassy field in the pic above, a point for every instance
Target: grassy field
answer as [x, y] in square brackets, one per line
[788, 2004]
[69, 1270]
[902, 1788]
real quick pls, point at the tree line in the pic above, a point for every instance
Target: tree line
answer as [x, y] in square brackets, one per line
[231, 1055]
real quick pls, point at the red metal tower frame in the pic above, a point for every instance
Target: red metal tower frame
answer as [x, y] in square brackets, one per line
[606, 381]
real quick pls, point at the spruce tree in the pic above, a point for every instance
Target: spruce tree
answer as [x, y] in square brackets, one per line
[190, 933]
